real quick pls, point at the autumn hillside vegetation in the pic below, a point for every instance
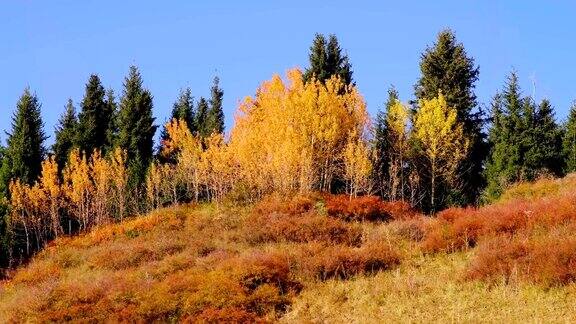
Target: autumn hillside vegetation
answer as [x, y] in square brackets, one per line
[313, 257]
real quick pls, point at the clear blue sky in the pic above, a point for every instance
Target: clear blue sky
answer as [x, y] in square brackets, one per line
[53, 46]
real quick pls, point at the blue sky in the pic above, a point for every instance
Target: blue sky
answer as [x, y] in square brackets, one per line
[53, 46]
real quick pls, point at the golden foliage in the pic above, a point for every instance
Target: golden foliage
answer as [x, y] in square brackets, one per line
[441, 137]
[291, 136]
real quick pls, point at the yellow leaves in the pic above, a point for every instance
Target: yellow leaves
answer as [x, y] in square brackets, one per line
[291, 136]
[358, 166]
[441, 135]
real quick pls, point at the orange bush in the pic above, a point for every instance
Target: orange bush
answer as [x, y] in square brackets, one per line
[341, 262]
[548, 260]
[302, 228]
[461, 228]
[366, 208]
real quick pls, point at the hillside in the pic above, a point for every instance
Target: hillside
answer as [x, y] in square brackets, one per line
[314, 258]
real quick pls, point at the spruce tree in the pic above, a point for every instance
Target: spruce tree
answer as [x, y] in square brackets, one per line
[382, 144]
[327, 59]
[112, 129]
[94, 118]
[446, 67]
[183, 109]
[545, 156]
[25, 151]
[569, 141]
[65, 135]
[136, 126]
[201, 122]
[215, 116]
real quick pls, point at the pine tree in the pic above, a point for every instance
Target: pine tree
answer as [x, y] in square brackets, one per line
[569, 141]
[326, 60]
[65, 135]
[215, 116]
[544, 154]
[112, 129]
[94, 118]
[382, 145]
[136, 126]
[25, 150]
[506, 138]
[446, 67]
[201, 123]
[183, 109]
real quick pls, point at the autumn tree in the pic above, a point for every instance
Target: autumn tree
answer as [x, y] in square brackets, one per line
[79, 189]
[292, 135]
[183, 109]
[358, 166]
[65, 135]
[441, 140]
[447, 67]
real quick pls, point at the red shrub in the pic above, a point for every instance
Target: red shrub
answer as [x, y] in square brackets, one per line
[225, 315]
[461, 228]
[295, 205]
[366, 208]
[340, 262]
[304, 228]
[548, 260]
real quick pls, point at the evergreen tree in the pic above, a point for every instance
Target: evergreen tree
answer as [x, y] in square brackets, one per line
[183, 109]
[202, 126]
[569, 141]
[65, 135]
[545, 153]
[215, 118]
[327, 59]
[382, 144]
[136, 126]
[447, 68]
[25, 150]
[94, 118]
[112, 129]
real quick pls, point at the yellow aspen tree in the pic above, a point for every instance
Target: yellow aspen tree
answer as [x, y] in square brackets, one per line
[50, 184]
[101, 174]
[358, 167]
[442, 139]
[119, 176]
[153, 182]
[218, 166]
[79, 188]
[38, 217]
[397, 121]
[291, 136]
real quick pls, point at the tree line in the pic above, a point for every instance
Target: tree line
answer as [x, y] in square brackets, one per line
[309, 131]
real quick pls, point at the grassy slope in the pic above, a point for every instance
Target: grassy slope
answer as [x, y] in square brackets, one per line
[145, 269]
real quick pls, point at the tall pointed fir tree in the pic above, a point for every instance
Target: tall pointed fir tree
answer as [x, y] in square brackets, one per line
[446, 67]
[215, 116]
[94, 118]
[543, 155]
[65, 135]
[504, 165]
[25, 150]
[569, 141]
[201, 121]
[382, 145]
[112, 129]
[136, 127]
[327, 59]
[183, 109]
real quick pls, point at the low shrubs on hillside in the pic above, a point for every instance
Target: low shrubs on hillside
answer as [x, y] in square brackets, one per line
[366, 208]
[549, 259]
